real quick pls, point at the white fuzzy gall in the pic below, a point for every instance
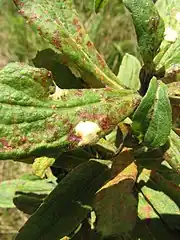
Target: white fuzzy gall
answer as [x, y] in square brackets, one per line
[88, 131]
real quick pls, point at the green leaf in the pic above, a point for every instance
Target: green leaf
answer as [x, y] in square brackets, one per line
[152, 119]
[160, 125]
[168, 56]
[98, 4]
[28, 203]
[149, 27]
[129, 72]
[106, 147]
[169, 10]
[67, 205]
[172, 152]
[9, 188]
[58, 22]
[168, 187]
[115, 204]
[165, 207]
[151, 222]
[31, 124]
[169, 174]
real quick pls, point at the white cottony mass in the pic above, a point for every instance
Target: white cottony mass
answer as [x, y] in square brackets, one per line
[170, 34]
[88, 131]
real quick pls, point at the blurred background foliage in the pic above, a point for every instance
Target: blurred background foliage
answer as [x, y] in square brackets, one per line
[18, 41]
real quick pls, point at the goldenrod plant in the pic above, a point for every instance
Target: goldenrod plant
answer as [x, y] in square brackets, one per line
[101, 132]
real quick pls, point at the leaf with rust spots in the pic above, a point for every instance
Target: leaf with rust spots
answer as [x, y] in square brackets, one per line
[58, 22]
[32, 124]
[115, 205]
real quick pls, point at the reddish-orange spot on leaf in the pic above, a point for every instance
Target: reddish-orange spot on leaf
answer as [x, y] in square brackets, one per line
[23, 139]
[101, 60]
[77, 24]
[75, 21]
[147, 210]
[56, 39]
[5, 144]
[89, 44]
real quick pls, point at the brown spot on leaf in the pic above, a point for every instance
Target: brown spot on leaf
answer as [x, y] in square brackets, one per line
[101, 60]
[77, 24]
[78, 40]
[5, 144]
[21, 11]
[53, 107]
[23, 139]
[79, 92]
[89, 44]
[80, 34]
[106, 122]
[56, 39]
[75, 21]
[148, 210]
[39, 30]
